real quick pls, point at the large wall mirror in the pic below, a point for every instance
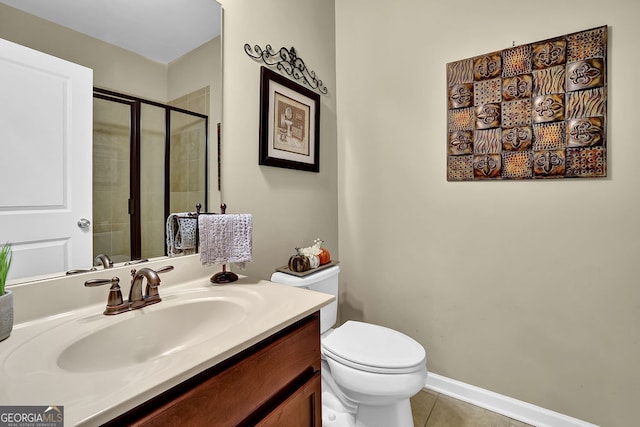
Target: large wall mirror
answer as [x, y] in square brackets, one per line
[179, 96]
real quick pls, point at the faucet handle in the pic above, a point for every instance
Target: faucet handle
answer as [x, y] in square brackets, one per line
[115, 295]
[115, 304]
[70, 272]
[165, 269]
[136, 261]
[99, 282]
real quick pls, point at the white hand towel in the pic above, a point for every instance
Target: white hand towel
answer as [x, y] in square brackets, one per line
[225, 238]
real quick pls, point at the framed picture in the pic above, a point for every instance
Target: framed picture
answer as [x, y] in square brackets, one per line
[289, 123]
[534, 111]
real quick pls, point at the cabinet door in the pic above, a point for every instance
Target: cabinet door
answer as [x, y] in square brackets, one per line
[302, 408]
[280, 378]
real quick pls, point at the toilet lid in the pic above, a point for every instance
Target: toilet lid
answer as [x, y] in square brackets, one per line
[373, 348]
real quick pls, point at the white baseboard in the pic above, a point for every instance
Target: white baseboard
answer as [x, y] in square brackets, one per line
[512, 408]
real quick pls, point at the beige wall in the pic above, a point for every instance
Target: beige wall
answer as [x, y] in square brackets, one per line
[114, 68]
[529, 289]
[290, 208]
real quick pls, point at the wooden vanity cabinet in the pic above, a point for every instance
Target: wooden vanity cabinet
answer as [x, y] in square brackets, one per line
[273, 383]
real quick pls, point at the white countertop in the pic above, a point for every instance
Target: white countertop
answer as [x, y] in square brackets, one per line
[31, 375]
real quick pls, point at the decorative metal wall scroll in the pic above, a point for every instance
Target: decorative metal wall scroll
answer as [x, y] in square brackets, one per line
[530, 111]
[287, 60]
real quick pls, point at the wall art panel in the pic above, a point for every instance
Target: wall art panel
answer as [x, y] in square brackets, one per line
[535, 111]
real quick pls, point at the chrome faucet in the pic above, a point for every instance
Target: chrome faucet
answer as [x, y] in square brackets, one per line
[116, 305]
[104, 260]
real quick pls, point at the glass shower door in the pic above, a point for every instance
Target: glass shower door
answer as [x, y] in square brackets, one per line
[187, 164]
[111, 178]
[152, 180]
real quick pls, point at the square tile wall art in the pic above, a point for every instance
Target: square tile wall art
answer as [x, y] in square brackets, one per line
[533, 111]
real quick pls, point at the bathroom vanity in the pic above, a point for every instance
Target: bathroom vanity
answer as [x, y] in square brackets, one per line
[246, 353]
[273, 383]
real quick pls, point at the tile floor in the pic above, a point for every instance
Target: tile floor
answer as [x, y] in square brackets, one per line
[432, 409]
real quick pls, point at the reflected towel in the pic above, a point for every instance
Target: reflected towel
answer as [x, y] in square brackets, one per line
[225, 238]
[181, 234]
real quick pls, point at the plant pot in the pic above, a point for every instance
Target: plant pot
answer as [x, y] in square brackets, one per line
[6, 315]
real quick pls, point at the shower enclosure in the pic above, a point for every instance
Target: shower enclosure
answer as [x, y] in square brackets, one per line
[149, 159]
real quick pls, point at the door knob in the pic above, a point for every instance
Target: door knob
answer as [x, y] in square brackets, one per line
[84, 223]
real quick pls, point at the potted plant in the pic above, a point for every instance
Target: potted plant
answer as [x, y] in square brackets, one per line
[6, 297]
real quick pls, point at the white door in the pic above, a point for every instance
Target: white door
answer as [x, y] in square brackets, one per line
[45, 161]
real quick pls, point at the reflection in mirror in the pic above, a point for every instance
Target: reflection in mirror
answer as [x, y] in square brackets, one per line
[149, 159]
[111, 160]
[179, 83]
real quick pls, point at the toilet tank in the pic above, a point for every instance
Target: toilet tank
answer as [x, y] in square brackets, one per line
[325, 281]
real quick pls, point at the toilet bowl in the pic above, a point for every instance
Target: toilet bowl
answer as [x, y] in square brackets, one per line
[369, 372]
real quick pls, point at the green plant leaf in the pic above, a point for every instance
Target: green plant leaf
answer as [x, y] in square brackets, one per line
[5, 263]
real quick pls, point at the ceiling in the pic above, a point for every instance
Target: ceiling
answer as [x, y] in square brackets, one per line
[162, 30]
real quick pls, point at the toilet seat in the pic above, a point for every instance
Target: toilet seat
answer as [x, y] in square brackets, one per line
[373, 348]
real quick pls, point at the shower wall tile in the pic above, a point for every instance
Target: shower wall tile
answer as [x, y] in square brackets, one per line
[197, 101]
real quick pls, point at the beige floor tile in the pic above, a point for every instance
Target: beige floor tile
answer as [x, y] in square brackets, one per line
[449, 412]
[421, 406]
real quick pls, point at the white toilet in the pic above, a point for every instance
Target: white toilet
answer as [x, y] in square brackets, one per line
[369, 372]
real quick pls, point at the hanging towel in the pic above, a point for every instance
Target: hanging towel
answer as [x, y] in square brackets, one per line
[225, 238]
[181, 234]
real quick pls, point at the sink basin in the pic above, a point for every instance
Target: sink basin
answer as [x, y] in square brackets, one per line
[150, 334]
[100, 366]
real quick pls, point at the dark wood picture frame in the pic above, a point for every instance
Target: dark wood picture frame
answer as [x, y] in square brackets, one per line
[289, 123]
